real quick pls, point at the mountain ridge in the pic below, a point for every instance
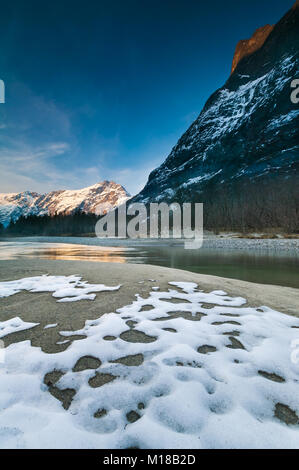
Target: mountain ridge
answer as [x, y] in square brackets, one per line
[246, 47]
[89, 199]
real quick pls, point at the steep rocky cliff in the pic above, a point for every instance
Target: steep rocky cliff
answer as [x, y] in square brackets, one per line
[247, 132]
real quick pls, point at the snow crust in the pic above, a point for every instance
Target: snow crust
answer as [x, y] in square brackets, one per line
[13, 325]
[185, 397]
[65, 288]
[51, 325]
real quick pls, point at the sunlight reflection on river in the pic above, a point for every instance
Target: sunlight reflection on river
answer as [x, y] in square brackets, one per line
[56, 251]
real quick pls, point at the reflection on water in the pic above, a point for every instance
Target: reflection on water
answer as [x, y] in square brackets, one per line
[62, 251]
[266, 268]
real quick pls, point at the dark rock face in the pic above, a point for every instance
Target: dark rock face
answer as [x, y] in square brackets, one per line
[247, 132]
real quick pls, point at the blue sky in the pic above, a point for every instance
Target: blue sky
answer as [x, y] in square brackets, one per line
[103, 90]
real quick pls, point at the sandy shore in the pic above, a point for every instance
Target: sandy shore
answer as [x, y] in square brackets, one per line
[230, 365]
[43, 309]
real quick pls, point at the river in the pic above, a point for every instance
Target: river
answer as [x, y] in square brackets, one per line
[265, 266]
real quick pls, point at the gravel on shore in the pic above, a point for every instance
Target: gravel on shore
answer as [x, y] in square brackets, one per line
[210, 242]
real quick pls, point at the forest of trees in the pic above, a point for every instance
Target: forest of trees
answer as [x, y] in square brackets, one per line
[78, 223]
[244, 208]
[263, 205]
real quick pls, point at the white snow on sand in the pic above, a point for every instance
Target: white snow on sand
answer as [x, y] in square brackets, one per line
[65, 288]
[51, 325]
[192, 389]
[14, 325]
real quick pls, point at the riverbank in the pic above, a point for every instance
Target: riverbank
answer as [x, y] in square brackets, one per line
[217, 242]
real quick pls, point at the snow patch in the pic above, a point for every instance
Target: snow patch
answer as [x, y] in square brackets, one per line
[65, 288]
[14, 325]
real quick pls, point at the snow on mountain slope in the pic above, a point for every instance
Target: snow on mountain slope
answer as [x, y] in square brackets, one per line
[14, 205]
[247, 131]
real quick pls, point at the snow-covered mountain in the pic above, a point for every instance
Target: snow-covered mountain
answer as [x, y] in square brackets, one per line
[89, 200]
[248, 130]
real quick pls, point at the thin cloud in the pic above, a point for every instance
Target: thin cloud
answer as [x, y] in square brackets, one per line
[24, 168]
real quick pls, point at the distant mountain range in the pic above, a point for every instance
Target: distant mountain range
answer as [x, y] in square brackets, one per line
[89, 199]
[247, 134]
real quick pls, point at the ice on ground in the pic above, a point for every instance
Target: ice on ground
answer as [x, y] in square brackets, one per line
[182, 369]
[65, 288]
[52, 325]
[14, 325]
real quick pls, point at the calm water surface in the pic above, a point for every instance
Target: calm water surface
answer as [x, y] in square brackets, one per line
[262, 267]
